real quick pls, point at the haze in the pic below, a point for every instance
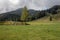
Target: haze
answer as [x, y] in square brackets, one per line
[10, 5]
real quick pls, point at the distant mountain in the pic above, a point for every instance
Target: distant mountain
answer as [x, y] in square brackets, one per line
[53, 9]
[15, 15]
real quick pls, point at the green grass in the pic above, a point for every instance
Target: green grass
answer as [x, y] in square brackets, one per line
[36, 31]
[41, 29]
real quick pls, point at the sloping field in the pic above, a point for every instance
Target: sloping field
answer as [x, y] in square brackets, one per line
[31, 32]
[41, 29]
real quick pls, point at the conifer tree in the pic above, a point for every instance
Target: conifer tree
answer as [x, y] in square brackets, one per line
[24, 15]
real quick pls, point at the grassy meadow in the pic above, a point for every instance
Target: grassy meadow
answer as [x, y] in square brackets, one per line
[38, 30]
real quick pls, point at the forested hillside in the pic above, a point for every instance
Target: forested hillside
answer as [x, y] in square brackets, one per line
[33, 14]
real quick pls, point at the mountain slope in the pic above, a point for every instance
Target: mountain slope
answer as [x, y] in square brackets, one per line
[34, 14]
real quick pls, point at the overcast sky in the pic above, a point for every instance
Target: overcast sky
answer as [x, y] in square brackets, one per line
[10, 5]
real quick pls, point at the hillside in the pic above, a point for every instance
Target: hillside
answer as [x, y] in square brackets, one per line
[45, 20]
[33, 14]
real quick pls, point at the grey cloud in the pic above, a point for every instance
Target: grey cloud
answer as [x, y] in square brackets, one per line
[42, 4]
[6, 5]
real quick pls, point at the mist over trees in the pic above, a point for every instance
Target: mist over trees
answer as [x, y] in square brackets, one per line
[21, 14]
